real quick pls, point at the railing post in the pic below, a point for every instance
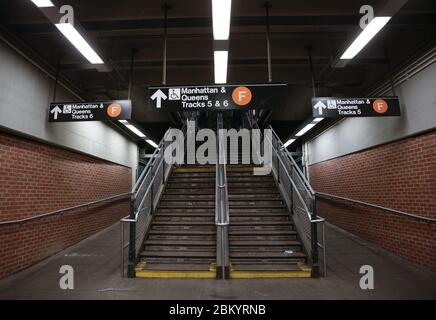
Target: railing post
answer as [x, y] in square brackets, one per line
[122, 248]
[226, 257]
[314, 238]
[132, 241]
[278, 163]
[152, 196]
[163, 171]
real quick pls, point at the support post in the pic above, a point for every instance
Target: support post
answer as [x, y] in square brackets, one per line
[132, 65]
[267, 7]
[58, 66]
[312, 72]
[314, 238]
[165, 9]
[132, 241]
[389, 67]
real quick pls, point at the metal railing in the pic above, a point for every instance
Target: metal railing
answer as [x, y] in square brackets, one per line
[366, 204]
[300, 200]
[65, 210]
[144, 199]
[222, 218]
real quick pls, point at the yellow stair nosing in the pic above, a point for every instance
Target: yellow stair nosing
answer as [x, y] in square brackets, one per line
[140, 272]
[175, 274]
[269, 274]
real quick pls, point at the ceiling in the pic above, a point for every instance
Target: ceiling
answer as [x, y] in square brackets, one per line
[118, 27]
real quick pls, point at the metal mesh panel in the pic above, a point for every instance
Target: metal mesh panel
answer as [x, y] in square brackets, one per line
[143, 219]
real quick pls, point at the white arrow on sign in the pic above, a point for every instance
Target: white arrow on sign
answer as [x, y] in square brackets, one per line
[320, 106]
[158, 96]
[56, 111]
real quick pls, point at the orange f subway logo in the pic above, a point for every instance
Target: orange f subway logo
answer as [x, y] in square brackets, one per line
[242, 96]
[380, 106]
[114, 110]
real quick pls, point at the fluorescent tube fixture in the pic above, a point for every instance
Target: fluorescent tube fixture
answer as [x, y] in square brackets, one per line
[305, 129]
[290, 141]
[43, 3]
[316, 120]
[135, 130]
[221, 19]
[221, 61]
[79, 42]
[152, 143]
[367, 34]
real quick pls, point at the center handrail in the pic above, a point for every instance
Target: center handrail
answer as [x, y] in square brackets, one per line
[222, 218]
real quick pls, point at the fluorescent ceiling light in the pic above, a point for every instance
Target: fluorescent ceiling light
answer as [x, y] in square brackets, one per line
[366, 35]
[43, 3]
[290, 141]
[221, 19]
[135, 130]
[305, 129]
[79, 42]
[123, 121]
[221, 60]
[316, 120]
[152, 143]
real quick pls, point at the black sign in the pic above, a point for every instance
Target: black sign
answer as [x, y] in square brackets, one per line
[355, 107]
[90, 111]
[216, 97]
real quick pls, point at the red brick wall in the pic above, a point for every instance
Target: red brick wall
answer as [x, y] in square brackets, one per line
[400, 175]
[36, 178]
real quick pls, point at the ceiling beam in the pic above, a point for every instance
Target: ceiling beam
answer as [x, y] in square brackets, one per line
[146, 64]
[177, 23]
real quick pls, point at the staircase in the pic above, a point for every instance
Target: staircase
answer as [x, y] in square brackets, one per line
[263, 241]
[222, 221]
[181, 242]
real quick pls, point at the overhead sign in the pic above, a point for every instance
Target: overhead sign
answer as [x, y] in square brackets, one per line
[216, 97]
[355, 107]
[90, 111]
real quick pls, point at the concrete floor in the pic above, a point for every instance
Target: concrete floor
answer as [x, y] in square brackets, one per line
[97, 276]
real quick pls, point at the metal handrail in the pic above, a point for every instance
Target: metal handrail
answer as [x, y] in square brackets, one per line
[306, 209]
[222, 219]
[149, 165]
[300, 173]
[150, 185]
[143, 190]
[221, 184]
[398, 212]
[60, 211]
[144, 172]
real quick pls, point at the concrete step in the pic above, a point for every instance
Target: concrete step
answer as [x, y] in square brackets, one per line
[182, 237]
[249, 233]
[183, 227]
[179, 249]
[258, 255]
[182, 242]
[264, 243]
[240, 197]
[179, 254]
[187, 210]
[183, 232]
